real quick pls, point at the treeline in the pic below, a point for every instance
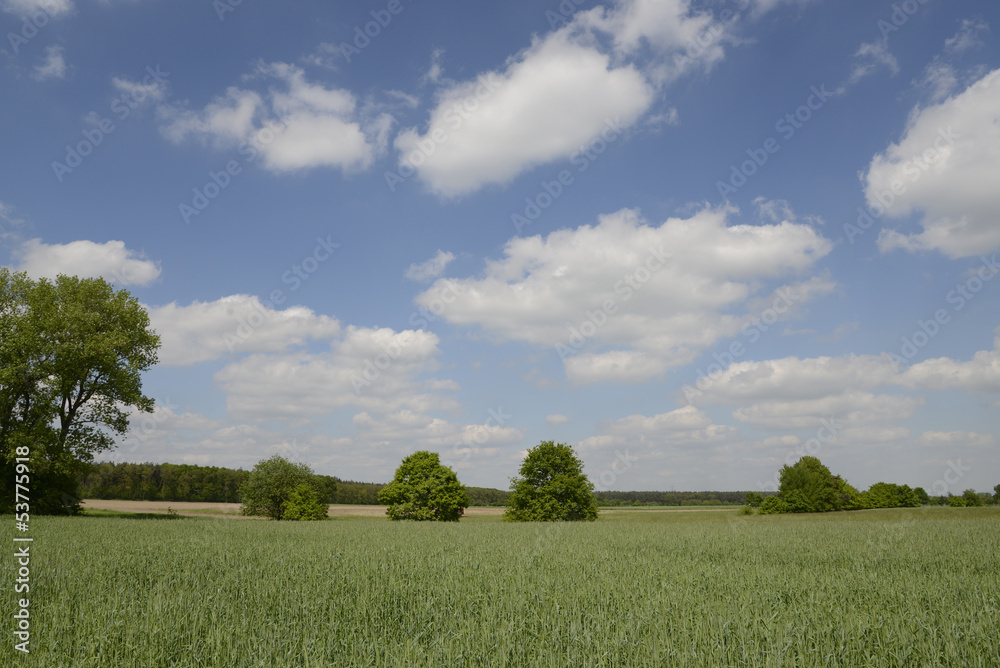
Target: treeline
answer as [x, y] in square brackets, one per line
[615, 499]
[189, 482]
[175, 482]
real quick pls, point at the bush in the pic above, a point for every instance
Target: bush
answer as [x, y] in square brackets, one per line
[552, 487]
[424, 489]
[303, 504]
[745, 510]
[956, 501]
[773, 505]
[270, 485]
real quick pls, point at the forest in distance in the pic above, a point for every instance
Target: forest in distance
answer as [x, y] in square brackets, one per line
[214, 484]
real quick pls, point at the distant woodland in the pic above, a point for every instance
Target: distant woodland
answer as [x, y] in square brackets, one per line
[188, 482]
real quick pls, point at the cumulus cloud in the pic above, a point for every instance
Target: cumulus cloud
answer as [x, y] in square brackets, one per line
[853, 408]
[87, 259]
[980, 374]
[626, 299]
[53, 67]
[305, 125]
[432, 268]
[945, 167]
[556, 418]
[550, 101]
[204, 331]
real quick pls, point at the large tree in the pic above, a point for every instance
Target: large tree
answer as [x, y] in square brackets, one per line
[282, 490]
[552, 487]
[424, 489]
[72, 352]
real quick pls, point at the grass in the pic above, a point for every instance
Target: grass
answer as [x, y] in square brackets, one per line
[914, 587]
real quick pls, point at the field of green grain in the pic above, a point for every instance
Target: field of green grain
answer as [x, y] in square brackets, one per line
[914, 587]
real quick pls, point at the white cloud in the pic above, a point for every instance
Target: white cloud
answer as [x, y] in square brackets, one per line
[791, 378]
[946, 167]
[204, 331]
[87, 259]
[298, 385]
[554, 97]
[54, 66]
[967, 36]
[853, 408]
[28, 8]
[304, 126]
[980, 374]
[951, 439]
[432, 268]
[136, 92]
[870, 57]
[556, 418]
[654, 295]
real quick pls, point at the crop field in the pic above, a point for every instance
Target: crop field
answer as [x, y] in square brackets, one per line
[916, 587]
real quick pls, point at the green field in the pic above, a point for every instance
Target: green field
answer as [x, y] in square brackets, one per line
[916, 587]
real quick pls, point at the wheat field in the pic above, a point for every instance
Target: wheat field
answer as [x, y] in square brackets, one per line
[916, 587]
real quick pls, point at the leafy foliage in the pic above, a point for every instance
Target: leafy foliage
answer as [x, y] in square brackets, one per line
[809, 487]
[72, 353]
[303, 504]
[972, 498]
[552, 487]
[271, 485]
[424, 489]
[888, 495]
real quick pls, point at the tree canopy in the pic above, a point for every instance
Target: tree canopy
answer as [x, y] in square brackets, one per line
[551, 487]
[424, 489]
[72, 352]
[282, 490]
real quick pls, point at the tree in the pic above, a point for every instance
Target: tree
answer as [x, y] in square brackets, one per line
[972, 498]
[921, 495]
[754, 499]
[272, 483]
[72, 353]
[996, 494]
[303, 504]
[424, 489]
[552, 487]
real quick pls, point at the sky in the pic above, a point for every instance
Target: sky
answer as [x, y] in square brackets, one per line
[694, 240]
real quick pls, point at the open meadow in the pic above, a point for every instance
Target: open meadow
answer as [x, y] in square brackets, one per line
[916, 587]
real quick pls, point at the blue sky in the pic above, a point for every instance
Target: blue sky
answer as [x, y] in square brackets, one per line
[695, 240]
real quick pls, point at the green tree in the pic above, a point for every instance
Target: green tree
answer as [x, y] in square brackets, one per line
[424, 489]
[754, 499]
[921, 495]
[72, 352]
[552, 487]
[996, 494]
[972, 498]
[271, 484]
[808, 486]
[956, 501]
[303, 504]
